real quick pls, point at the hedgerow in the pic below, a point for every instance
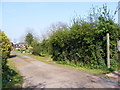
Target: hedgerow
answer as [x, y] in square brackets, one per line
[84, 42]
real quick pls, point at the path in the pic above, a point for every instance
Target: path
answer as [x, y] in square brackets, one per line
[38, 74]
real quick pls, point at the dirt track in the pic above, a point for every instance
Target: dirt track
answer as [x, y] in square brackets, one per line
[38, 74]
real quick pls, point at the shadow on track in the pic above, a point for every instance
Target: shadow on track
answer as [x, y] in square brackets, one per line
[13, 56]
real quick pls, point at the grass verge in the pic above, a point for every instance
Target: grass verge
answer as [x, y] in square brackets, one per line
[11, 77]
[46, 59]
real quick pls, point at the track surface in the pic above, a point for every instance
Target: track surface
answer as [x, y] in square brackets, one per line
[37, 74]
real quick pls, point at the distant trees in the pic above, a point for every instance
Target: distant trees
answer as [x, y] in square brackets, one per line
[29, 38]
[34, 46]
[40, 48]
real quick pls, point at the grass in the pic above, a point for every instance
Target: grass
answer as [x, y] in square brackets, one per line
[12, 77]
[47, 59]
[96, 72]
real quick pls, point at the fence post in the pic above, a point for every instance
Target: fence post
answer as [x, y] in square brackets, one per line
[118, 60]
[108, 51]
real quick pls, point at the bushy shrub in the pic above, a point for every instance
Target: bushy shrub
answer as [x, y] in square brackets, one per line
[40, 48]
[5, 48]
[8, 74]
[84, 43]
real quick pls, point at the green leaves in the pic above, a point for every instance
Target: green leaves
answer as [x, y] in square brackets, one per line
[29, 38]
[5, 48]
[8, 75]
[84, 43]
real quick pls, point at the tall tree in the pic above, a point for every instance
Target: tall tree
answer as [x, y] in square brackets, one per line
[29, 38]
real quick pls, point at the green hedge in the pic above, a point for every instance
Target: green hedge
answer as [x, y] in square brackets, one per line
[84, 43]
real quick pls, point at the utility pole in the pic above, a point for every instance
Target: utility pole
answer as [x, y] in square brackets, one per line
[108, 51]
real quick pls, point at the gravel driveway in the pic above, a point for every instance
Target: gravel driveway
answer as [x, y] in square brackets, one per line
[37, 74]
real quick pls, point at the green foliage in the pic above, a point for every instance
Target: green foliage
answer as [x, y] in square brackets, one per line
[58, 41]
[36, 48]
[29, 38]
[5, 48]
[40, 48]
[9, 76]
[85, 42]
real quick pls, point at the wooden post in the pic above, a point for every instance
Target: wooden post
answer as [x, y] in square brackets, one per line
[119, 61]
[108, 51]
